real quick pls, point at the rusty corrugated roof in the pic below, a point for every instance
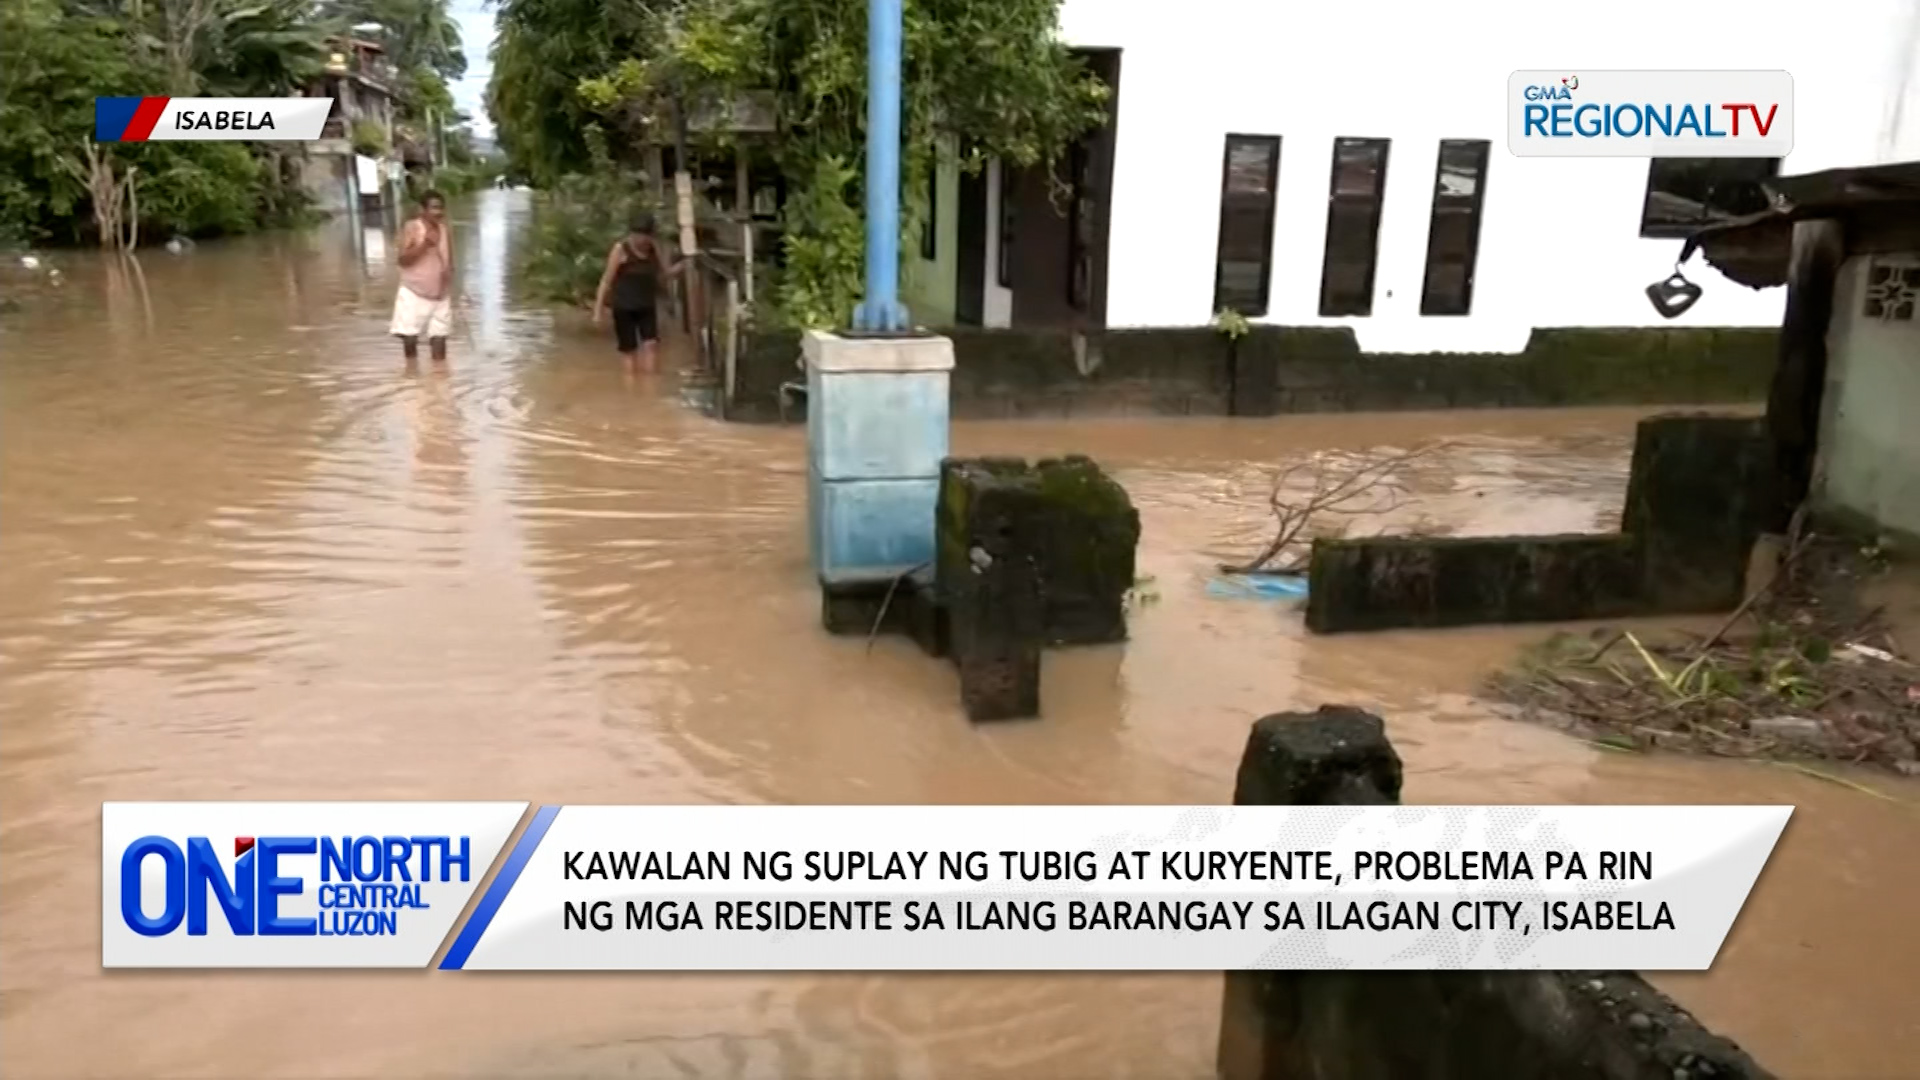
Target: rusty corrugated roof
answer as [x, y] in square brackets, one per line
[1754, 250]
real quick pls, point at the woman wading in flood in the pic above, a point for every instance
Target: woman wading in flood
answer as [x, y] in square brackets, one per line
[630, 286]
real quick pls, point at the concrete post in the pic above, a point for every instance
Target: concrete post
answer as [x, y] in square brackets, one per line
[1440, 1025]
[991, 536]
[876, 434]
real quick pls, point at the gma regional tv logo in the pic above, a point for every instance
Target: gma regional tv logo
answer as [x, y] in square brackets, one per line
[171, 119]
[1586, 113]
[232, 885]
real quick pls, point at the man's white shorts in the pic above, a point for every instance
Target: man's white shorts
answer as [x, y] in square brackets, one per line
[415, 316]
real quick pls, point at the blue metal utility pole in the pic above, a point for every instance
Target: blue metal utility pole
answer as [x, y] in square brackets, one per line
[881, 311]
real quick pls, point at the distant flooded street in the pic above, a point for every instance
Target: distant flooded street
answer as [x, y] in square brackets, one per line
[243, 555]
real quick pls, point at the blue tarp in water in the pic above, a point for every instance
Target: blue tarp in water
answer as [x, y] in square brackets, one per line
[1257, 587]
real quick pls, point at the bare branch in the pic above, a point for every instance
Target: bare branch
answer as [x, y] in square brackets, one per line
[1372, 487]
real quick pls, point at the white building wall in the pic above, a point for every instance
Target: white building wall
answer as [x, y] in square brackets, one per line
[1869, 460]
[1559, 237]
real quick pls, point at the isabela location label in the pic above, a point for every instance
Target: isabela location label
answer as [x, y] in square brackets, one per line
[171, 119]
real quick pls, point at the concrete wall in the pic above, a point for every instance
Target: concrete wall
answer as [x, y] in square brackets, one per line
[1196, 371]
[1559, 241]
[1869, 464]
[327, 176]
[929, 287]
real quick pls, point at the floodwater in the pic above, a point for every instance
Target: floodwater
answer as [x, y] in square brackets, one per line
[244, 555]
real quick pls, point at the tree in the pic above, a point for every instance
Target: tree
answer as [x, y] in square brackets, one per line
[542, 50]
[55, 55]
[990, 76]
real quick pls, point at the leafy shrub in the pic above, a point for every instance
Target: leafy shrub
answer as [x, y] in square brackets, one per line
[370, 139]
[574, 224]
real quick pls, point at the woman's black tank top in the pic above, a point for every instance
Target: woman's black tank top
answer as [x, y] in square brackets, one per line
[637, 280]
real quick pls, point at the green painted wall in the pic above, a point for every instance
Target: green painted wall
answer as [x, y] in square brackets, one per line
[930, 285]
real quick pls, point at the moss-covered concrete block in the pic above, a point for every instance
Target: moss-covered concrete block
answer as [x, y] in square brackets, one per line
[1386, 582]
[766, 360]
[1697, 493]
[990, 522]
[1091, 533]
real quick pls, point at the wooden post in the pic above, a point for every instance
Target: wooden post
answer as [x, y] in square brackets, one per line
[1799, 379]
[746, 260]
[731, 348]
[689, 227]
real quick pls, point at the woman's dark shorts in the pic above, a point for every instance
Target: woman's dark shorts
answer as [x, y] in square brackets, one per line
[634, 327]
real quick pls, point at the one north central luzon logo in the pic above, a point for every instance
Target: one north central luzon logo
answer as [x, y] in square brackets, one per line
[1558, 111]
[366, 883]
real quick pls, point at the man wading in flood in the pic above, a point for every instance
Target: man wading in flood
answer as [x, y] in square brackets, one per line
[424, 305]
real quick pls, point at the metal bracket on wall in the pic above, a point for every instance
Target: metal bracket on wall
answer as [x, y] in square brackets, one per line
[1086, 354]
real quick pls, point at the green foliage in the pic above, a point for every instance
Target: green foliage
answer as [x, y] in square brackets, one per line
[822, 277]
[369, 138]
[56, 55]
[575, 223]
[1231, 324]
[451, 180]
[199, 188]
[542, 50]
[51, 66]
[990, 76]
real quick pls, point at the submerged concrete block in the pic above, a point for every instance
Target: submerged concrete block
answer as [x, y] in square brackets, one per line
[987, 574]
[1434, 1025]
[1384, 582]
[909, 605]
[1336, 754]
[1697, 496]
[1089, 536]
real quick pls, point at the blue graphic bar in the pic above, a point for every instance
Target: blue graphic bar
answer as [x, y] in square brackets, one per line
[456, 957]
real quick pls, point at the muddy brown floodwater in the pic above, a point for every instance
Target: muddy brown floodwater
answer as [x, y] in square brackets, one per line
[243, 555]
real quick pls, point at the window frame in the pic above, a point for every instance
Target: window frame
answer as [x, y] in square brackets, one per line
[1079, 249]
[930, 229]
[1272, 144]
[1682, 230]
[1003, 233]
[1476, 210]
[1378, 198]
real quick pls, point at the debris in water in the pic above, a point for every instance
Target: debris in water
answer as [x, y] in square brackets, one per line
[1258, 587]
[1786, 689]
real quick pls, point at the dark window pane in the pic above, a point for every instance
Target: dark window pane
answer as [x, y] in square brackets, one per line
[1353, 226]
[1079, 228]
[1684, 194]
[1247, 167]
[1243, 232]
[930, 231]
[1244, 255]
[1241, 285]
[1453, 233]
[1359, 167]
[1009, 189]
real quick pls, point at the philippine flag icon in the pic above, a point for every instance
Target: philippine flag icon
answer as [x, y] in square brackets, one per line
[126, 119]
